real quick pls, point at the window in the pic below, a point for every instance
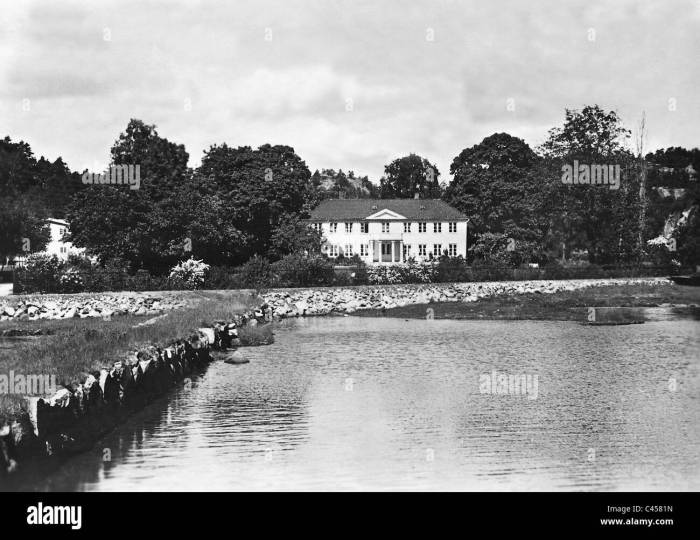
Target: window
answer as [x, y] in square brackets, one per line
[421, 250]
[453, 226]
[63, 249]
[437, 227]
[422, 227]
[406, 227]
[364, 227]
[332, 251]
[385, 226]
[316, 227]
[334, 227]
[406, 252]
[453, 250]
[348, 227]
[348, 250]
[437, 249]
[364, 250]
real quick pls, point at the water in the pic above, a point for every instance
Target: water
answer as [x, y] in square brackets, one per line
[376, 404]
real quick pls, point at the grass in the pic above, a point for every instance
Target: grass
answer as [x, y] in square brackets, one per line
[564, 305]
[77, 347]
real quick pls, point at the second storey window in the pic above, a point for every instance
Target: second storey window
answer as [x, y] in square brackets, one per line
[334, 227]
[406, 227]
[453, 226]
[364, 227]
[385, 226]
[348, 227]
[316, 227]
[437, 227]
[422, 227]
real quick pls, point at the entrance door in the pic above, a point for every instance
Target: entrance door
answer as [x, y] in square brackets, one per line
[386, 251]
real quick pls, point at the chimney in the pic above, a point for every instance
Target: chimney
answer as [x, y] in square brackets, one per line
[417, 195]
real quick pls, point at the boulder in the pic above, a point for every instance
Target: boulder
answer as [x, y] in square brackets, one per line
[236, 358]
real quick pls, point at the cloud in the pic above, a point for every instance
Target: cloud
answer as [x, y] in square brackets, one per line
[349, 85]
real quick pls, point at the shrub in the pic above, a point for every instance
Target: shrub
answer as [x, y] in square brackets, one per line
[409, 272]
[113, 276]
[189, 274]
[360, 276]
[299, 270]
[256, 273]
[144, 281]
[223, 277]
[556, 270]
[452, 269]
[42, 273]
[490, 271]
[71, 281]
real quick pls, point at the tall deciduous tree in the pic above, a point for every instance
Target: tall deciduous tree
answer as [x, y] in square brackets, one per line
[30, 192]
[259, 189]
[408, 175]
[496, 183]
[593, 217]
[115, 221]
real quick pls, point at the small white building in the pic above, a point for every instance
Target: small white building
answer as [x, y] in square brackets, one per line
[56, 246]
[389, 231]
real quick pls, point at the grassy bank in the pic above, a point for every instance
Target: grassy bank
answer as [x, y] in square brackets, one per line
[75, 347]
[564, 306]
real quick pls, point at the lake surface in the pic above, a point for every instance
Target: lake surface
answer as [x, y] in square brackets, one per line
[349, 403]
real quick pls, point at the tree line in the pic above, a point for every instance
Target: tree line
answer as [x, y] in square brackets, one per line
[243, 202]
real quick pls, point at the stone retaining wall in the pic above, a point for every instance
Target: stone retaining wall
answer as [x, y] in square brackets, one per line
[74, 418]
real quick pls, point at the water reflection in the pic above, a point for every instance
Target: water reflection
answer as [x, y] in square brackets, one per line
[361, 403]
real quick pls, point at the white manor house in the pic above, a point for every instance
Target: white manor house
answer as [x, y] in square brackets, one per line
[389, 231]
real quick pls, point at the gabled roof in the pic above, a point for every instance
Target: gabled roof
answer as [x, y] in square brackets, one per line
[412, 209]
[57, 221]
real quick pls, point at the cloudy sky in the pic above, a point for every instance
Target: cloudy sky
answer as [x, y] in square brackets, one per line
[348, 84]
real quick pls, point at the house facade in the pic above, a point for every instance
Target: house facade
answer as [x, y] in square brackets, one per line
[390, 231]
[56, 246]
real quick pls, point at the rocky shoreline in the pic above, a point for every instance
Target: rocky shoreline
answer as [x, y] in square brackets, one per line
[345, 300]
[37, 307]
[294, 302]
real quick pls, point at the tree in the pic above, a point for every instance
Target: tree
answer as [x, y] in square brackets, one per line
[259, 188]
[115, 221]
[408, 175]
[600, 220]
[30, 192]
[293, 235]
[17, 223]
[497, 184]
